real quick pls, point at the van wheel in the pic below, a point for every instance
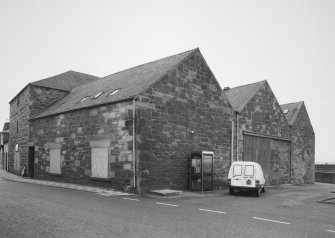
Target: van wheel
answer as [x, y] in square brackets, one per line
[231, 191]
[258, 192]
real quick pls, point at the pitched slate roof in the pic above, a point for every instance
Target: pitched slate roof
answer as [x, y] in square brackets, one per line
[65, 81]
[6, 126]
[291, 111]
[241, 95]
[129, 82]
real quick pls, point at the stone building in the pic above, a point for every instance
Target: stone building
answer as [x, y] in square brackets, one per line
[262, 132]
[136, 128]
[4, 138]
[303, 142]
[32, 99]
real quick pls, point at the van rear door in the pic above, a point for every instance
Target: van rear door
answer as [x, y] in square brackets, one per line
[236, 180]
[249, 176]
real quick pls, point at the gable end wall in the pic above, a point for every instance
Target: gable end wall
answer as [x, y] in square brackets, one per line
[303, 138]
[187, 99]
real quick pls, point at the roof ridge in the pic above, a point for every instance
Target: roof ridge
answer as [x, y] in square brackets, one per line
[248, 84]
[188, 53]
[148, 63]
[261, 83]
[286, 104]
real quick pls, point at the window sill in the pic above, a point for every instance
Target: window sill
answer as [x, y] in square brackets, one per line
[100, 179]
[56, 175]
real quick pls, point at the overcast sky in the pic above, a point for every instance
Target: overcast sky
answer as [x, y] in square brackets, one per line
[291, 43]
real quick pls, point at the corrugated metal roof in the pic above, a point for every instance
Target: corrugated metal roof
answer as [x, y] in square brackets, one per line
[241, 95]
[129, 82]
[291, 111]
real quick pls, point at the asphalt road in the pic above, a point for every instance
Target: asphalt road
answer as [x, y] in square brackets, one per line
[29, 210]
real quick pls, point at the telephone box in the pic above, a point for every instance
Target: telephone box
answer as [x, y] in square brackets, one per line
[201, 171]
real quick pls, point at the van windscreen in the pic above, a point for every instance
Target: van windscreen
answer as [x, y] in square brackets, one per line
[237, 169]
[249, 170]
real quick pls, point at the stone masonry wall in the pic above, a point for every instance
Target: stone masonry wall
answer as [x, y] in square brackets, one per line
[184, 111]
[75, 132]
[42, 97]
[32, 100]
[303, 159]
[19, 129]
[263, 115]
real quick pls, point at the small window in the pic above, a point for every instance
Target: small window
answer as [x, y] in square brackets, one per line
[249, 170]
[237, 170]
[286, 111]
[18, 101]
[114, 92]
[17, 127]
[98, 95]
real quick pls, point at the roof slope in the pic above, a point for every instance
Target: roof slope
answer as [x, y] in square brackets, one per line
[241, 95]
[65, 81]
[292, 111]
[6, 126]
[129, 82]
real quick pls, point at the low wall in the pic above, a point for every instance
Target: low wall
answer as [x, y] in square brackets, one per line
[325, 177]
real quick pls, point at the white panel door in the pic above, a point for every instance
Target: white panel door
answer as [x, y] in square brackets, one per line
[99, 160]
[55, 167]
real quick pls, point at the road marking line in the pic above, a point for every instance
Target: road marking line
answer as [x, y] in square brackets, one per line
[331, 231]
[263, 219]
[200, 209]
[132, 199]
[167, 204]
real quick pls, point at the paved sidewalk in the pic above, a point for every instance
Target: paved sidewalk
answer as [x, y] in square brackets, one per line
[100, 191]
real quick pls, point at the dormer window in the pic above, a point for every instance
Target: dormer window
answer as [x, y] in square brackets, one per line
[98, 95]
[114, 92]
[286, 111]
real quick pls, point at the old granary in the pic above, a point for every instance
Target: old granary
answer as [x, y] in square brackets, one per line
[136, 128]
[279, 137]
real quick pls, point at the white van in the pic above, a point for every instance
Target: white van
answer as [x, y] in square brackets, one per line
[246, 175]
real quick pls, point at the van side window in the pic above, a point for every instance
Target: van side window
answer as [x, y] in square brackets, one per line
[249, 170]
[237, 170]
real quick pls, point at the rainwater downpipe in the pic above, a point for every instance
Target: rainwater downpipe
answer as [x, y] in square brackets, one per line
[237, 133]
[232, 141]
[134, 142]
[291, 155]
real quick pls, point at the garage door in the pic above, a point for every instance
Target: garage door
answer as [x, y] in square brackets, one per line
[272, 154]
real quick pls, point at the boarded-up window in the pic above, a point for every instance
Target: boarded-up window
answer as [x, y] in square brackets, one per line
[55, 161]
[17, 162]
[99, 159]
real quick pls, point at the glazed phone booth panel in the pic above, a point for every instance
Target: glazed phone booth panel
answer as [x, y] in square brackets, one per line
[201, 174]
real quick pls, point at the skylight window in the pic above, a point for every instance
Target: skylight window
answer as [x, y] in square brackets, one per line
[286, 111]
[98, 95]
[83, 99]
[114, 92]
